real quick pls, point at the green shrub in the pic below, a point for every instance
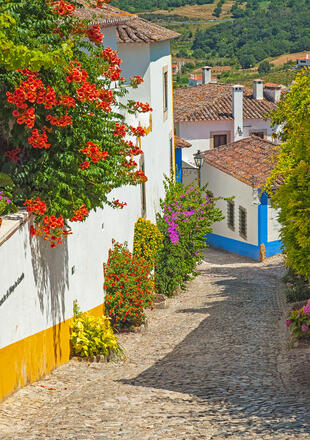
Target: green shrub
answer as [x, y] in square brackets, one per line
[91, 336]
[129, 287]
[298, 288]
[188, 215]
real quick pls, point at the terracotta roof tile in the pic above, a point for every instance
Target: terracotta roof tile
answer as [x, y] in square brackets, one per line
[106, 15]
[213, 102]
[272, 85]
[143, 31]
[181, 143]
[245, 159]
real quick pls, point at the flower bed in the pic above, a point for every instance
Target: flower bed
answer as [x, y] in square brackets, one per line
[129, 287]
[298, 323]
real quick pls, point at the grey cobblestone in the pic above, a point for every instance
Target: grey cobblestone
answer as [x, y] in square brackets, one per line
[214, 365]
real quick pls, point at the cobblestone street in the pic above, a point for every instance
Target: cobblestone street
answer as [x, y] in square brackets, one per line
[213, 365]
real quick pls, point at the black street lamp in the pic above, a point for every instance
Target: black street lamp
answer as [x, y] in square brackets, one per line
[198, 158]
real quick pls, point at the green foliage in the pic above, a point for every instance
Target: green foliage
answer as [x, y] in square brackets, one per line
[5, 180]
[16, 55]
[264, 67]
[218, 9]
[188, 215]
[259, 31]
[147, 241]
[92, 336]
[128, 286]
[293, 195]
[298, 289]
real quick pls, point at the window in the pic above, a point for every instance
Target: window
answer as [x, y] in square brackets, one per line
[260, 134]
[220, 139]
[231, 214]
[242, 222]
[165, 92]
[143, 193]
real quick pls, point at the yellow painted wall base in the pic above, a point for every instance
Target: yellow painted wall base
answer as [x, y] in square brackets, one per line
[31, 358]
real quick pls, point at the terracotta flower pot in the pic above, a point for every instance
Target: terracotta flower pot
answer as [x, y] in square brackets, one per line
[0, 222]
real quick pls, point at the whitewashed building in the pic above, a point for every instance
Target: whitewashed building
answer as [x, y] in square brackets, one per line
[238, 171]
[39, 284]
[211, 115]
[303, 61]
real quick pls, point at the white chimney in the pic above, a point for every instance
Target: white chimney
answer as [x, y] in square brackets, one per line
[237, 111]
[206, 75]
[258, 89]
[272, 92]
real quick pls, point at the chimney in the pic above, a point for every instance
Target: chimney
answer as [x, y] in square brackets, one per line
[237, 111]
[206, 75]
[272, 92]
[258, 89]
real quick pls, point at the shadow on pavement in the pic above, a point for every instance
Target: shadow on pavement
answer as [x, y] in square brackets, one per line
[230, 359]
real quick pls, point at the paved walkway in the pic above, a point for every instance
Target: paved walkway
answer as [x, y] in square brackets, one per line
[211, 366]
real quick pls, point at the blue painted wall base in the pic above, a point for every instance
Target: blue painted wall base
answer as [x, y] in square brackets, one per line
[235, 246]
[273, 248]
[247, 249]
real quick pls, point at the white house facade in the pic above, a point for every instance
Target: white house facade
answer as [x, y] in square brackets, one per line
[237, 172]
[210, 115]
[39, 284]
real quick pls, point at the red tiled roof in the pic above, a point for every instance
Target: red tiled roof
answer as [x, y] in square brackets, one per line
[245, 159]
[181, 143]
[213, 101]
[106, 15]
[272, 85]
[304, 58]
[130, 27]
[143, 31]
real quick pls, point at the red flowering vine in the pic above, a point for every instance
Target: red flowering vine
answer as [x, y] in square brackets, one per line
[65, 135]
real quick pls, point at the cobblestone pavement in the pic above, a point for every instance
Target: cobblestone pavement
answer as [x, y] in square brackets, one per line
[214, 365]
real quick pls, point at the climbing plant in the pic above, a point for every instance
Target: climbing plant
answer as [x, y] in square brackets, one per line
[64, 140]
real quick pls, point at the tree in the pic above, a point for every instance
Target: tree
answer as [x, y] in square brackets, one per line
[293, 196]
[246, 60]
[63, 130]
[264, 67]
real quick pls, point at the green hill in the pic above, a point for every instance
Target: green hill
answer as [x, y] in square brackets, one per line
[259, 30]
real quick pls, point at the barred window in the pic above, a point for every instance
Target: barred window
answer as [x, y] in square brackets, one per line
[231, 214]
[242, 222]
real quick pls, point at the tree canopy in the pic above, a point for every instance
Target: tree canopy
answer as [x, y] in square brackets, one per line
[293, 195]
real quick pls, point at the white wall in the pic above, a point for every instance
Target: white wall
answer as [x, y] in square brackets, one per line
[45, 294]
[198, 134]
[250, 125]
[273, 224]
[223, 185]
